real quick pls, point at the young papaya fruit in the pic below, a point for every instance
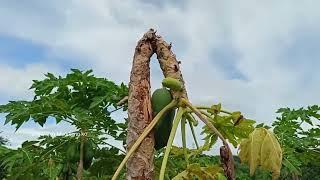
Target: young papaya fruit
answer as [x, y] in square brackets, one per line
[69, 177]
[160, 99]
[65, 168]
[73, 152]
[88, 154]
[172, 83]
[87, 163]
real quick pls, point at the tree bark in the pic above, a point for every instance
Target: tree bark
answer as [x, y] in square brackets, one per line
[80, 165]
[169, 65]
[140, 164]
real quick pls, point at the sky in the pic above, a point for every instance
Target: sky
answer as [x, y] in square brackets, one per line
[252, 56]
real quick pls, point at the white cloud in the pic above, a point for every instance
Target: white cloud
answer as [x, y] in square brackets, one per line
[31, 131]
[15, 82]
[103, 34]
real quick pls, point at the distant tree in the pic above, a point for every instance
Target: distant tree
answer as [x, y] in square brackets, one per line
[3, 149]
[3, 140]
[80, 99]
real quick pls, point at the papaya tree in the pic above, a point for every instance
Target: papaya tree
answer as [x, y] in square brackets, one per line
[3, 150]
[80, 99]
[85, 101]
[145, 112]
[298, 132]
[3, 140]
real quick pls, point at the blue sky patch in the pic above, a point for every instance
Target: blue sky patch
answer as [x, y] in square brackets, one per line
[19, 52]
[225, 58]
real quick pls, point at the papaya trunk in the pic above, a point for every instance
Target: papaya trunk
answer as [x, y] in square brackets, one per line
[140, 164]
[80, 165]
[169, 65]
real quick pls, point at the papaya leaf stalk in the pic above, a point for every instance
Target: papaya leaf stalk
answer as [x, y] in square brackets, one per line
[143, 135]
[225, 151]
[176, 121]
[183, 135]
[193, 134]
[80, 165]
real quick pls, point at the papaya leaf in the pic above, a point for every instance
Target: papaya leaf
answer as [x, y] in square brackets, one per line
[96, 101]
[202, 173]
[215, 109]
[262, 149]
[291, 167]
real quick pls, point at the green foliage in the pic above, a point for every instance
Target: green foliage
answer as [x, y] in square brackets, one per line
[201, 173]
[86, 102]
[105, 163]
[24, 163]
[80, 98]
[301, 146]
[177, 164]
[233, 126]
[3, 171]
[3, 140]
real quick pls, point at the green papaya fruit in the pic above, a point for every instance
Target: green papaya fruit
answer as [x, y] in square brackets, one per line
[88, 154]
[73, 152]
[69, 177]
[65, 168]
[74, 168]
[87, 163]
[172, 83]
[160, 99]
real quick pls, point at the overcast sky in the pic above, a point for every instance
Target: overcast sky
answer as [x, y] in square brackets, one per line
[252, 56]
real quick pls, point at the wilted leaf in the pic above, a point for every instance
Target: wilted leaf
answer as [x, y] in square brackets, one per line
[262, 149]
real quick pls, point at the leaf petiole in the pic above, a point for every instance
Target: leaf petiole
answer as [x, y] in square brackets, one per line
[155, 120]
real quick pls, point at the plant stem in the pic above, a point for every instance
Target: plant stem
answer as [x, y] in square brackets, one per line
[170, 141]
[116, 109]
[193, 134]
[200, 115]
[183, 135]
[52, 149]
[225, 151]
[143, 135]
[116, 147]
[80, 165]
[27, 155]
[206, 114]
[205, 107]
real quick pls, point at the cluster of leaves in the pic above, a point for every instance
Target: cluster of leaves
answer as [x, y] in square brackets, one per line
[105, 163]
[3, 150]
[3, 140]
[24, 162]
[80, 98]
[232, 125]
[3, 171]
[299, 133]
[84, 101]
[45, 159]
[177, 165]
